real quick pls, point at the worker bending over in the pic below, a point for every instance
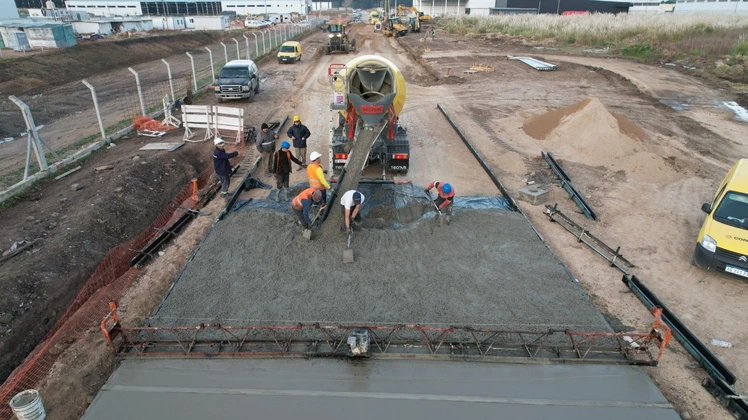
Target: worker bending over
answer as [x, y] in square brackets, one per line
[282, 164]
[351, 202]
[445, 199]
[303, 203]
[317, 176]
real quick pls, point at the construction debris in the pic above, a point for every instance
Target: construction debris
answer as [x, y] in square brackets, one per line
[566, 184]
[163, 146]
[534, 63]
[17, 248]
[481, 67]
[58, 177]
[104, 168]
[614, 257]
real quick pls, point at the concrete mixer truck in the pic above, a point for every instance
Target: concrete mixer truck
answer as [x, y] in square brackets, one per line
[369, 94]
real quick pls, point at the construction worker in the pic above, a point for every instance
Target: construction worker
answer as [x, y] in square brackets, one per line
[351, 202]
[303, 203]
[299, 133]
[282, 163]
[266, 146]
[222, 165]
[445, 199]
[317, 176]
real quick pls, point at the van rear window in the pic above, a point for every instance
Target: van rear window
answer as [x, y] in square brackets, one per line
[733, 210]
[230, 73]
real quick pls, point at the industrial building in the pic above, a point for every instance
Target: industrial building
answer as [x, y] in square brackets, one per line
[494, 7]
[8, 9]
[22, 34]
[107, 8]
[710, 6]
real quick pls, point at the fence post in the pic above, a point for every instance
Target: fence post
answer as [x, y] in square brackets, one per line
[171, 81]
[238, 55]
[140, 91]
[247, 41]
[225, 52]
[257, 45]
[264, 51]
[96, 107]
[33, 138]
[212, 69]
[194, 77]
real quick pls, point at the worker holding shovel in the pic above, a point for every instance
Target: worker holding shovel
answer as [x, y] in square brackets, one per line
[303, 203]
[351, 202]
[445, 199]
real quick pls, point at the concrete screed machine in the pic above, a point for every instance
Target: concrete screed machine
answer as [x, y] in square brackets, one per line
[369, 94]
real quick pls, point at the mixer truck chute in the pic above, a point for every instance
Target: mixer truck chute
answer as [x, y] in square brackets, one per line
[369, 96]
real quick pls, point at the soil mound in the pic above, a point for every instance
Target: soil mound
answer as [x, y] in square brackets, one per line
[588, 131]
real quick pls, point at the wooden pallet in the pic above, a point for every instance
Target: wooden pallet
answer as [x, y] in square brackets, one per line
[481, 67]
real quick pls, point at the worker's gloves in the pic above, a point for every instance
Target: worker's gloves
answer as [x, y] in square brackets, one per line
[427, 191]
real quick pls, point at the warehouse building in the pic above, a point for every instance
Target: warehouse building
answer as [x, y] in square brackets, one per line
[108, 8]
[36, 34]
[726, 7]
[494, 7]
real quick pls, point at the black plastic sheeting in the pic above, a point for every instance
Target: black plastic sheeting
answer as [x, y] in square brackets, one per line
[405, 199]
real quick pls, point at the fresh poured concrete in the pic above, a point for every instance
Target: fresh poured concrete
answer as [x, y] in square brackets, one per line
[375, 389]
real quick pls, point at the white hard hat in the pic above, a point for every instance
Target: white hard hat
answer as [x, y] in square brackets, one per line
[218, 141]
[314, 156]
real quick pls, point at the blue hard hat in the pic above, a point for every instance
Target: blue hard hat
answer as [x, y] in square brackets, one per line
[446, 188]
[285, 145]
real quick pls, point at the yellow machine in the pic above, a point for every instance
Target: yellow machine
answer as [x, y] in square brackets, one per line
[409, 16]
[369, 96]
[412, 12]
[374, 17]
[393, 27]
[338, 40]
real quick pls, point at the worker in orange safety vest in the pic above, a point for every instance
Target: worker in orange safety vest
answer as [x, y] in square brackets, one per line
[317, 176]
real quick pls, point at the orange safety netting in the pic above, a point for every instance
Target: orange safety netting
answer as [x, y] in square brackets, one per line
[108, 282]
[148, 123]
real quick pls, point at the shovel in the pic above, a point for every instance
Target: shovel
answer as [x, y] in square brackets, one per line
[438, 211]
[308, 232]
[348, 253]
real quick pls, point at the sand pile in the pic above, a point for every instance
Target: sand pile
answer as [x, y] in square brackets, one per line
[587, 132]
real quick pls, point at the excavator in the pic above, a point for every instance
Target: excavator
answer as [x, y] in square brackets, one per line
[393, 27]
[412, 16]
[406, 11]
[369, 94]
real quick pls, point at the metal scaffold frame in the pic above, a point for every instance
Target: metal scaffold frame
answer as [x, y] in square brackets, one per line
[403, 340]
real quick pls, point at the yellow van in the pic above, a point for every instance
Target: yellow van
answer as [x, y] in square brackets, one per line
[723, 239]
[290, 52]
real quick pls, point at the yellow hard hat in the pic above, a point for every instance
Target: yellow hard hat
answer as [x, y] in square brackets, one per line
[296, 118]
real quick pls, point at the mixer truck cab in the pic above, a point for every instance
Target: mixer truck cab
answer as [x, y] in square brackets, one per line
[723, 239]
[290, 52]
[238, 79]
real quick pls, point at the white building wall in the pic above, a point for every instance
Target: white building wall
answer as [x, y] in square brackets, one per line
[168, 22]
[89, 27]
[137, 25]
[321, 5]
[8, 9]
[208, 23]
[106, 8]
[721, 7]
[262, 7]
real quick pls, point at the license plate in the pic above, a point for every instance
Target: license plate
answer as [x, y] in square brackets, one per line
[736, 270]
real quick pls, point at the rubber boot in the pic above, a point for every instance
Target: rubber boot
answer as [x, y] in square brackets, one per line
[277, 195]
[285, 194]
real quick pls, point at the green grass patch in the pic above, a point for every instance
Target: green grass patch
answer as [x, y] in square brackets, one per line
[644, 51]
[741, 48]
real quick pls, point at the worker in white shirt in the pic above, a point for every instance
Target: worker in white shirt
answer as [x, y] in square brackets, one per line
[351, 202]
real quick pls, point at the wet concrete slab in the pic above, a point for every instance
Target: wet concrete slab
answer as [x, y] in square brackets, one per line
[375, 389]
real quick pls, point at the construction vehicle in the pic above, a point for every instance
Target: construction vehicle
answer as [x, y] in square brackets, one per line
[374, 17]
[412, 15]
[393, 27]
[338, 40]
[369, 94]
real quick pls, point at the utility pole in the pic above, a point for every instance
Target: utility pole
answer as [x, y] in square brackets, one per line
[558, 8]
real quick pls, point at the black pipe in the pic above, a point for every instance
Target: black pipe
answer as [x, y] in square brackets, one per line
[482, 162]
[334, 195]
[698, 350]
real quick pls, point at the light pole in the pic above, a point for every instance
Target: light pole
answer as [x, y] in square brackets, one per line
[225, 52]
[247, 41]
[257, 45]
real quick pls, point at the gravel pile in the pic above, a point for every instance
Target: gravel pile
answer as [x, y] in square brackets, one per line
[487, 267]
